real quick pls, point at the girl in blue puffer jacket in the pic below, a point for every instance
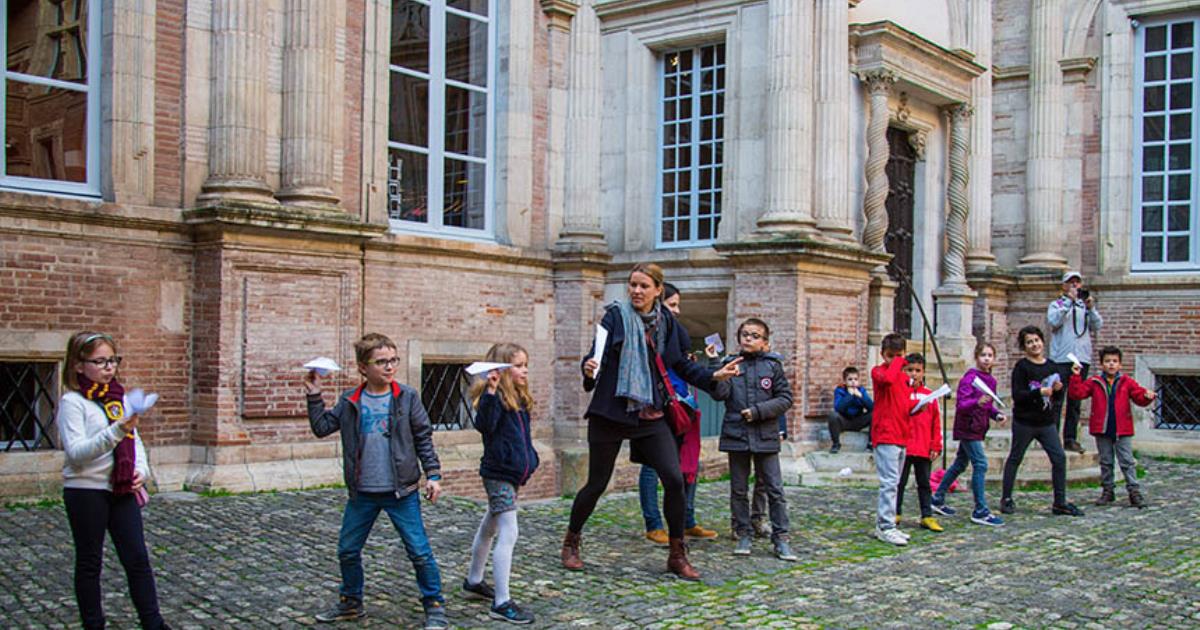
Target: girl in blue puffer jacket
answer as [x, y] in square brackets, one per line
[502, 404]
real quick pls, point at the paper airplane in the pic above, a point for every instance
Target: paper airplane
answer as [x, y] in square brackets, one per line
[138, 401]
[930, 397]
[714, 340]
[1074, 359]
[983, 387]
[479, 367]
[323, 366]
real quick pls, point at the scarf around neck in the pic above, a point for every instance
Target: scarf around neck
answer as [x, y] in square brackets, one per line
[111, 399]
[634, 380]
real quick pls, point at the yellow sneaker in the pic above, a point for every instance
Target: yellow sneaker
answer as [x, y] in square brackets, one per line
[658, 536]
[931, 524]
[699, 532]
[897, 519]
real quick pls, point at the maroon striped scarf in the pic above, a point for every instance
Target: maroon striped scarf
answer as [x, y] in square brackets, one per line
[111, 398]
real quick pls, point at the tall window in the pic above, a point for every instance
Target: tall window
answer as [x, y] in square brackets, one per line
[51, 99]
[1166, 186]
[692, 136]
[28, 397]
[440, 116]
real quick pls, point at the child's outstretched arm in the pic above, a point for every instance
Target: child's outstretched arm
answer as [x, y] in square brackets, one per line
[1141, 396]
[1077, 387]
[322, 421]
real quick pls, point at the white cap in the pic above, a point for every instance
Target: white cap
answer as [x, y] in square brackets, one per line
[1071, 274]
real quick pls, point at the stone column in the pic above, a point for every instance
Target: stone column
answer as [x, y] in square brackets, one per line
[831, 180]
[581, 216]
[789, 117]
[954, 298]
[237, 131]
[559, 14]
[979, 222]
[1043, 169]
[308, 112]
[879, 85]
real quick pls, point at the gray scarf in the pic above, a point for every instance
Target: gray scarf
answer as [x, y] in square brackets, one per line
[634, 380]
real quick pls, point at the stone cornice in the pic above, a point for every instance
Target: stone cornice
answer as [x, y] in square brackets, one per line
[1076, 69]
[560, 13]
[806, 253]
[1146, 7]
[609, 9]
[1009, 73]
[486, 253]
[935, 74]
[213, 220]
[87, 212]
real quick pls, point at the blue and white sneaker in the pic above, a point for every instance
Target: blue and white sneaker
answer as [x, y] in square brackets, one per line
[510, 612]
[987, 518]
[943, 509]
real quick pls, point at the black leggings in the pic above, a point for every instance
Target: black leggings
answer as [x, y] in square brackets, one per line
[920, 466]
[658, 451]
[1047, 436]
[91, 513]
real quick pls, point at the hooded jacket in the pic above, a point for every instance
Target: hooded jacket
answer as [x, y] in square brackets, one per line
[508, 453]
[762, 388]
[1111, 413]
[889, 425]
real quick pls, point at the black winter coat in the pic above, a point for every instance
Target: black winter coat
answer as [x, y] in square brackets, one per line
[676, 344]
[764, 390]
[508, 453]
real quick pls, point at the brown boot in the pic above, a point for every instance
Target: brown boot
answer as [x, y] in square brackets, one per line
[677, 562]
[570, 551]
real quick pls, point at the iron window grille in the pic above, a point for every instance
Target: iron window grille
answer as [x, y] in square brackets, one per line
[445, 393]
[1178, 402]
[28, 403]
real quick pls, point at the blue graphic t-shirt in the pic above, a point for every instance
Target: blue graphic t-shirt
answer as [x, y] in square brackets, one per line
[376, 474]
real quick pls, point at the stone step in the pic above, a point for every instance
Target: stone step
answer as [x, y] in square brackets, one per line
[858, 466]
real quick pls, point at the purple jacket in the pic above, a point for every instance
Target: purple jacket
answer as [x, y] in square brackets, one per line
[971, 421]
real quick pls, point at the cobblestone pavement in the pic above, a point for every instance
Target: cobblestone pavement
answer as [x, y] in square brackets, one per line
[268, 560]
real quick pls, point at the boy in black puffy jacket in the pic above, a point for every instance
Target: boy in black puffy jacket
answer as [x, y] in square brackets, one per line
[756, 401]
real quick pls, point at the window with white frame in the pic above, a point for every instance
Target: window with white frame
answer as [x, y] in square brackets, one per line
[51, 99]
[440, 116]
[691, 141]
[1166, 182]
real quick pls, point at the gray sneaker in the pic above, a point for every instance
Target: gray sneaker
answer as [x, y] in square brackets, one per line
[347, 609]
[783, 551]
[743, 546]
[762, 529]
[435, 617]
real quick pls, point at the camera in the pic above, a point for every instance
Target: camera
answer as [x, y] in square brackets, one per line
[1084, 294]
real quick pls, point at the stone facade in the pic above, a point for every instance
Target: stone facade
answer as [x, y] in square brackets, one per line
[241, 222]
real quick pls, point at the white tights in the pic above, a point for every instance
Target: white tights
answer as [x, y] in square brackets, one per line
[503, 528]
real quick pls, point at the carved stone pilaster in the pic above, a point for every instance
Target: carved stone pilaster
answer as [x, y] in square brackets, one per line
[879, 85]
[979, 222]
[954, 261]
[581, 216]
[831, 179]
[560, 12]
[1043, 186]
[306, 176]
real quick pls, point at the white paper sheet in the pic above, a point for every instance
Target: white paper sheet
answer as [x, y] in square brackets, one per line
[323, 366]
[138, 401]
[714, 340]
[930, 397]
[983, 387]
[1074, 359]
[598, 348]
[479, 367]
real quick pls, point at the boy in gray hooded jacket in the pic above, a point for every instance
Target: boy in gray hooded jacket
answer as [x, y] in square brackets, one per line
[756, 401]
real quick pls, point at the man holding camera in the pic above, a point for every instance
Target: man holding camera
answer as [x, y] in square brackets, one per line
[1072, 318]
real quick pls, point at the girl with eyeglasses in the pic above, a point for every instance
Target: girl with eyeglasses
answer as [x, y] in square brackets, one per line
[104, 477]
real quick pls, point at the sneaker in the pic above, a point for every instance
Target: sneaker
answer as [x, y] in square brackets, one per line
[1136, 499]
[891, 537]
[903, 534]
[435, 617]
[699, 532]
[347, 608]
[897, 519]
[943, 509]
[987, 518]
[762, 529]
[1106, 497]
[1066, 509]
[743, 546]
[835, 449]
[658, 536]
[1007, 506]
[931, 524]
[478, 591]
[510, 612]
[870, 448]
[1072, 445]
[783, 551]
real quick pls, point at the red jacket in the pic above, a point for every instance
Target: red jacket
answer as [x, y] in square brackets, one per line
[925, 427]
[1118, 396]
[890, 423]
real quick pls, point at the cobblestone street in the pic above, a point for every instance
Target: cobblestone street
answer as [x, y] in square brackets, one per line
[268, 560]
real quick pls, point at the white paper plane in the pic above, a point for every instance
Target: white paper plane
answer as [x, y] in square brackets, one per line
[138, 401]
[1074, 359]
[323, 366]
[983, 387]
[479, 367]
[714, 340]
[930, 397]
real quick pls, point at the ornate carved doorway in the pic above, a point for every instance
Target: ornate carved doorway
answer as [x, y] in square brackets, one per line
[901, 173]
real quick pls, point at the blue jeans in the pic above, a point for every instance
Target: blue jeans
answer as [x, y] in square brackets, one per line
[648, 497]
[405, 512]
[970, 452]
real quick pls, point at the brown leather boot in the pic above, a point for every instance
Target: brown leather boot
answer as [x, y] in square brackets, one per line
[677, 562]
[570, 551]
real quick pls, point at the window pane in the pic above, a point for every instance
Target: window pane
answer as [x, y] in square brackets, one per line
[1152, 219]
[1153, 99]
[410, 35]
[478, 7]
[1156, 38]
[1181, 126]
[48, 39]
[1181, 35]
[1181, 157]
[463, 205]
[1152, 127]
[1181, 66]
[466, 50]
[408, 110]
[1152, 188]
[1179, 187]
[408, 193]
[1152, 158]
[1179, 218]
[1156, 68]
[466, 122]
[1177, 249]
[45, 132]
[1152, 249]
[1181, 96]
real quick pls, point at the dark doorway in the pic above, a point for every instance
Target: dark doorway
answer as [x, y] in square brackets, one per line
[901, 172]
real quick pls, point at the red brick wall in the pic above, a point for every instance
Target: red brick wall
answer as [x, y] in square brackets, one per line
[351, 175]
[168, 102]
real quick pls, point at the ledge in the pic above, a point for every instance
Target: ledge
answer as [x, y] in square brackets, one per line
[940, 76]
[250, 217]
[45, 207]
[790, 249]
[471, 250]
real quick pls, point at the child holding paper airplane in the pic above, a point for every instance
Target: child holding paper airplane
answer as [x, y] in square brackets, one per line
[924, 443]
[1034, 381]
[974, 410]
[502, 403]
[104, 475]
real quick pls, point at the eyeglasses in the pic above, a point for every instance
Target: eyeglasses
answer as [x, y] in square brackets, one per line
[386, 363]
[105, 362]
[751, 335]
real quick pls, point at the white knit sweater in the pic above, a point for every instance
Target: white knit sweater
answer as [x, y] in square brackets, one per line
[88, 440]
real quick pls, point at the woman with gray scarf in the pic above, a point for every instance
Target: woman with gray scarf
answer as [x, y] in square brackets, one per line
[627, 404]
